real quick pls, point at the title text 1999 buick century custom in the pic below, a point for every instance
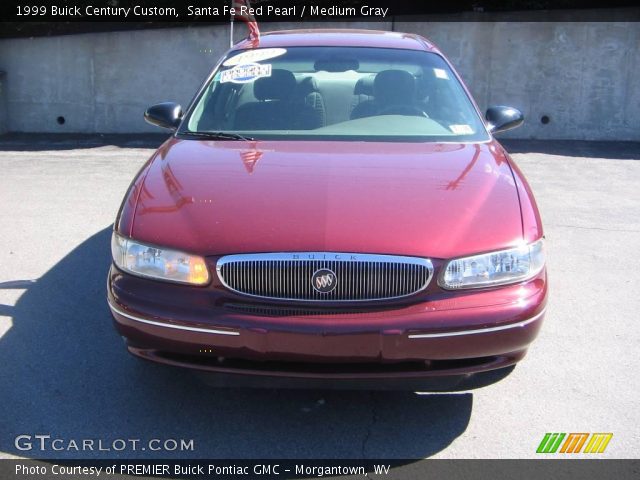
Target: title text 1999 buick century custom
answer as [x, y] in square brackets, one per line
[332, 209]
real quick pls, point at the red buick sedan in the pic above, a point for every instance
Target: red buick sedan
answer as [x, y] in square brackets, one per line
[331, 210]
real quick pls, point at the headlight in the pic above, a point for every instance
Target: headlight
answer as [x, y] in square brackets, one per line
[495, 268]
[160, 263]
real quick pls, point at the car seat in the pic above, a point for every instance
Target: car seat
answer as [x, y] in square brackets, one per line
[393, 92]
[310, 109]
[272, 110]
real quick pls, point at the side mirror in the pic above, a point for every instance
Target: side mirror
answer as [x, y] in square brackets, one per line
[165, 115]
[501, 118]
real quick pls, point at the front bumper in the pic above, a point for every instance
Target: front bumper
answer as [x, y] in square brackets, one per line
[439, 334]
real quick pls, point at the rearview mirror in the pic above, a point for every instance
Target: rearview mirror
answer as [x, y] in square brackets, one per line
[501, 118]
[336, 64]
[165, 115]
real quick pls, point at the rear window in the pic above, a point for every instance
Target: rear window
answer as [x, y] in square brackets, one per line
[336, 93]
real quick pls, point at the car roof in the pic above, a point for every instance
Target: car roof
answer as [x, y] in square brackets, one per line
[340, 37]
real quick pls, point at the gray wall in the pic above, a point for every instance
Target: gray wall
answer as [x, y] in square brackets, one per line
[103, 82]
[583, 76]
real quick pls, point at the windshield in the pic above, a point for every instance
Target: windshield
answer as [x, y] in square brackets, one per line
[336, 93]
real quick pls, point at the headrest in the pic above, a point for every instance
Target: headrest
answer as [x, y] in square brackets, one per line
[306, 86]
[394, 86]
[364, 86]
[276, 87]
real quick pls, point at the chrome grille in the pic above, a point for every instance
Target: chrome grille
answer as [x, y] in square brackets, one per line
[357, 277]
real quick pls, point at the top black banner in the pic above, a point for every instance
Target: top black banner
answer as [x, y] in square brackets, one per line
[215, 11]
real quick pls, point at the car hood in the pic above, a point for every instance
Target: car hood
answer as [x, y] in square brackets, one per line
[223, 197]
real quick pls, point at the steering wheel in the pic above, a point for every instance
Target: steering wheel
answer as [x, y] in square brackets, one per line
[403, 110]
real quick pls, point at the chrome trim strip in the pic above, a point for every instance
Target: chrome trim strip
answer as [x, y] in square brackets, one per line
[170, 325]
[479, 330]
[337, 256]
[301, 257]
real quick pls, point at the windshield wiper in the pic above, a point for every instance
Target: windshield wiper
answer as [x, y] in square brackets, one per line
[221, 135]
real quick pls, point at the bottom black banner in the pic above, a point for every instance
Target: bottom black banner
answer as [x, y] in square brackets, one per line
[301, 469]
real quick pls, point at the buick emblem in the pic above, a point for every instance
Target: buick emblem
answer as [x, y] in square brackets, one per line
[324, 281]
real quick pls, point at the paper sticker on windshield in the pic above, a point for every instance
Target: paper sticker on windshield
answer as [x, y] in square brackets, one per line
[440, 73]
[252, 56]
[245, 73]
[461, 129]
